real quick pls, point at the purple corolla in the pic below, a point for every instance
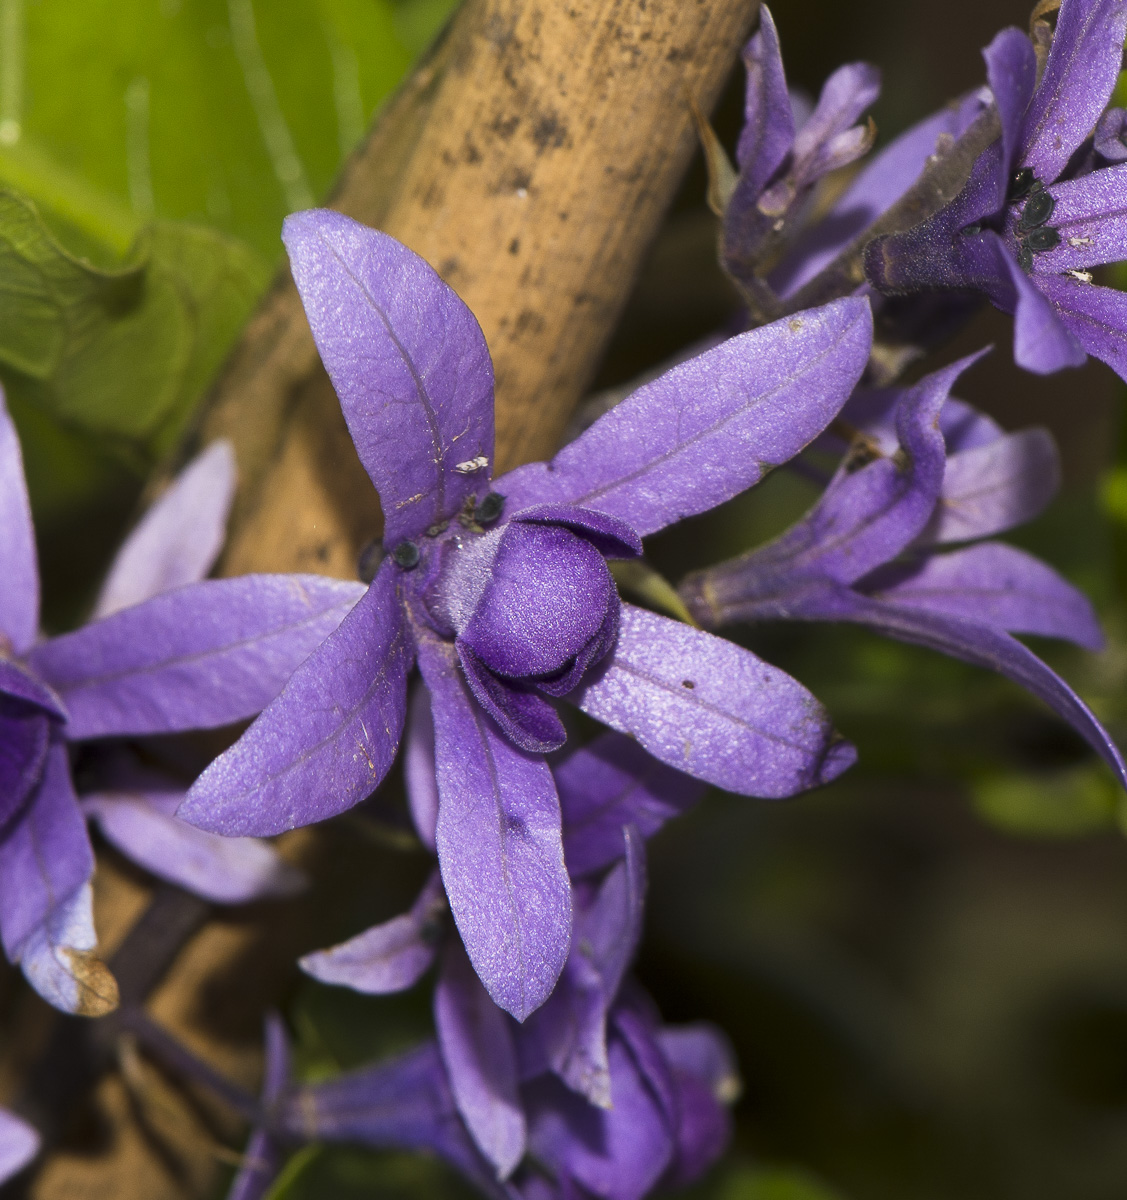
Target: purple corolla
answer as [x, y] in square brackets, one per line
[1043, 205]
[501, 593]
[194, 657]
[873, 549]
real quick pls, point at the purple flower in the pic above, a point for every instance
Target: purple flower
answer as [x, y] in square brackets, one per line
[1041, 207]
[19, 1144]
[194, 657]
[871, 550]
[502, 595]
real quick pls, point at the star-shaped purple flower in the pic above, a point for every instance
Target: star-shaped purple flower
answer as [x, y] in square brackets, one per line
[197, 656]
[1043, 205]
[502, 593]
[873, 549]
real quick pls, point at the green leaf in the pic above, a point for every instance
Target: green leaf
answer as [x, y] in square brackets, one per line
[774, 1184]
[1068, 803]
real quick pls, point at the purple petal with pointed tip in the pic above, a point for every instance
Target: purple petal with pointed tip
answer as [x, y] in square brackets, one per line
[709, 428]
[499, 845]
[611, 537]
[991, 488]
[996, 584]
[201, 656]
[481, 1063]
[179, 538]
[524, 717]
[328, 740]
[826, 141]
[1011, 68]
[19, 1144]
[224, 870]
[768, 131]
[1079, 77]
[609, 783]
[45, 855]
[389, 957]
[58, 959]
[419, 775]
[714, 710]
[19, 598]
[1095, 316]
[408, 361]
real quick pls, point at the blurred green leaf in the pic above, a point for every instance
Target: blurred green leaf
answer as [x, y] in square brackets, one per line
[1069, 803]
[774, 1184]
[344, 1173]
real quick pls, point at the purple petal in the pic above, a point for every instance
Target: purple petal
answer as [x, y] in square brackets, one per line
[768, 131]
[826, 142]
[179, 538]
[481, 1064]
[974, 642]
[19, 684]
[419, 777]
[224, 870]
[609, 783]
[703, 1050]
[261, 1163]
[390, 957]
[25, 734]
[1091, 217]
[1111, 135]
[404, 1103]
[19, 598]
[408, 361]
[996, 584]
[710, 427]
[1011, 68]
[1081, 73]
[703, 1130]
[203, 655]
[59, 961]
[608, 929]
[992, 488]
[1095, 316]
[19, 1144]
[328, 740]
[714, 710]
[45, 855]
[499, 845]
[611, 537]
[524, 717]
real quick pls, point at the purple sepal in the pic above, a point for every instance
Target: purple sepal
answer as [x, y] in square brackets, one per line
[389, 957]
[19, 598]
[609, 783]
[713, 710]
[419, 777]
[328, 740]
[408, 361]
[225, 870]
[19, 1144]
[610, 536]
[499, 845]
[481, 1064]
[178, 540]
[709, 428]
[524, 717]
[995, 584]
[58, 959]
[203, 655]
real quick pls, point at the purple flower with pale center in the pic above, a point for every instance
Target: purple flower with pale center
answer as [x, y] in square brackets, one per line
[780, 160]
[1042, 206]
[194, 657]
[873, 549]
[502, 594]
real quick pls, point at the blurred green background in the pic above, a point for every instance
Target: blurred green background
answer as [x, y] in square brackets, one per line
[924, 966]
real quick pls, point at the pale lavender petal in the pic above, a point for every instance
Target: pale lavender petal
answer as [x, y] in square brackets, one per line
[826, 142]
[499, 845]
[996, 584]
[710, 427]
[611, 537]
[609, 783]
[390, 957]
[59, 961]
[179, 538]
[1011, 68]
[201, 656]
[768, 131]
[328, 740]
[19, 1144]
[1095, 316]
[45, 855]
[19, 598]
[1111, 135]
[714, 710]
[481, 1063]
[995, 487]
[408, 361]
[419, 776]
[1081, 73]
[974, 642]
[1091, 216]
[224, 870]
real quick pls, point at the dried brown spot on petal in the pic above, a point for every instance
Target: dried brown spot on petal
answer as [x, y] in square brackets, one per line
[97, 988]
